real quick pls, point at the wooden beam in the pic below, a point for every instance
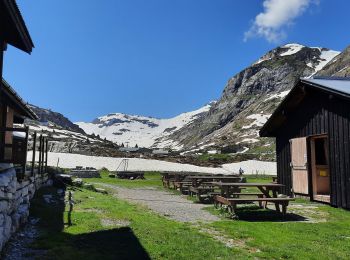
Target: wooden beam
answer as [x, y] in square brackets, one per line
[46, 153]
[42, 155]
[40, 142]
[3, 119]
[25, 152]
[34, 151]
[2, 135]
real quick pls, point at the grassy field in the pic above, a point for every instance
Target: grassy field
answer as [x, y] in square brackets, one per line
[153, 179]
[105, 227]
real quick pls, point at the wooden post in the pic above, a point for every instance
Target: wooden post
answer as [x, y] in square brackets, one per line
[71, 203]
[40, 143]
[25, 152]
[46, 153]
[42, 155]
[3, 119]
[34, 151]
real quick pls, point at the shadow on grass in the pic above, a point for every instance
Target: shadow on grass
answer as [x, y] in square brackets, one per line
[116, 243]
[255, 214]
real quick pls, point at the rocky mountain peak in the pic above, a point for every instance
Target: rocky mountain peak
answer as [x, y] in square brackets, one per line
[253, 91]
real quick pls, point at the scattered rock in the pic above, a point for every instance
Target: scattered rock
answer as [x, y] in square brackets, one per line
[89, 186]
[107, 222]
[103, 191]
[78, 182]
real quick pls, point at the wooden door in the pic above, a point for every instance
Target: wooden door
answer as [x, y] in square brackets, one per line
[299, 165]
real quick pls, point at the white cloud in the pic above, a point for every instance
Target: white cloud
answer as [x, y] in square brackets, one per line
[277, 14]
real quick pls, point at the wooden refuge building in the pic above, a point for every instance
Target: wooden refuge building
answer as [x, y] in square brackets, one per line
[312, 130]
[13, 110]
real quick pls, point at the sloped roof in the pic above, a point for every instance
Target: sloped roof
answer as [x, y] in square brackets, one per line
[22, 106]
[14, 29]
[339, 86]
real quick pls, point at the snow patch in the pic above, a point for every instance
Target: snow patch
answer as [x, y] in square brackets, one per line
[325, 57]
[259, 120]
[262, 59]
[292, 48]
[278, 95]
[248, 140]
[68, 160]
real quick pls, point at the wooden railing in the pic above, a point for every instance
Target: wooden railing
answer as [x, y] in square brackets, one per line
[43, 154]
[15, 151]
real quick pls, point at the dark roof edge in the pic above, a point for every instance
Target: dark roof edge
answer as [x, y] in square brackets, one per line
[327, 89]
[20, 24]
[30, 113]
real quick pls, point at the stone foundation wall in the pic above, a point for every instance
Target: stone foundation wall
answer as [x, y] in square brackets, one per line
[15, 200]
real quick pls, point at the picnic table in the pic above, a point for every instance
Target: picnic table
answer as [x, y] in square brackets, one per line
[197, 180]
[264, 188]
[201, 185]
[268, 193]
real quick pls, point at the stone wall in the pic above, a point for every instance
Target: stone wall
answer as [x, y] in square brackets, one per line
[84, 173]
[15, 200]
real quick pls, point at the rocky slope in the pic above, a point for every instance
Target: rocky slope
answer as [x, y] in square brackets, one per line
[49, 117]
[339, 66]
[67, 137]
[250, 97]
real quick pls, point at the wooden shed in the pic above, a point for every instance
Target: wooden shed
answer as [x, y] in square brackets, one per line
[312, 131]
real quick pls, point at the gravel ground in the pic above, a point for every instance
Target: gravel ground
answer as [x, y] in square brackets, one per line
[19, 245]
[167, 204]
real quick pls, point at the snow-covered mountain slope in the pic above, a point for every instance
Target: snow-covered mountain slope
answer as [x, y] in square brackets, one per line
[140, 130]
[339, 66]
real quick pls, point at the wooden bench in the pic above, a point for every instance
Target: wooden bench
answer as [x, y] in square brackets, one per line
[259, 195]
[233, 202]
[201, 191]
[183, 186]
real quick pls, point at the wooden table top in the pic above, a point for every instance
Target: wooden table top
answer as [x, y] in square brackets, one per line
[214, 177]
[246, 184]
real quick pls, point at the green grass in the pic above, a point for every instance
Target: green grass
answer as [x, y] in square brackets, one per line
[148, 234]
[209, 157]
[259, 234]
[294, 240]
[152, 179]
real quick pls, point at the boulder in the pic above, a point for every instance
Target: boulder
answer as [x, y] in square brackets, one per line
[78, 182]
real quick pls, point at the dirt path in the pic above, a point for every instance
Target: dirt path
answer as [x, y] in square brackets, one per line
[167, 204]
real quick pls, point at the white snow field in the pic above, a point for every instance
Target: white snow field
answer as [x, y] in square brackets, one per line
[252, 167]
[69, 160]
[141, 130]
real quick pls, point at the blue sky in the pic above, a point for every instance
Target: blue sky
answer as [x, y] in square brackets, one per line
[156, 57]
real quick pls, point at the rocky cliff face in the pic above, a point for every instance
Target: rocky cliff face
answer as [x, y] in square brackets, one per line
[49, 117]
[250, 97]
[67, 137]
